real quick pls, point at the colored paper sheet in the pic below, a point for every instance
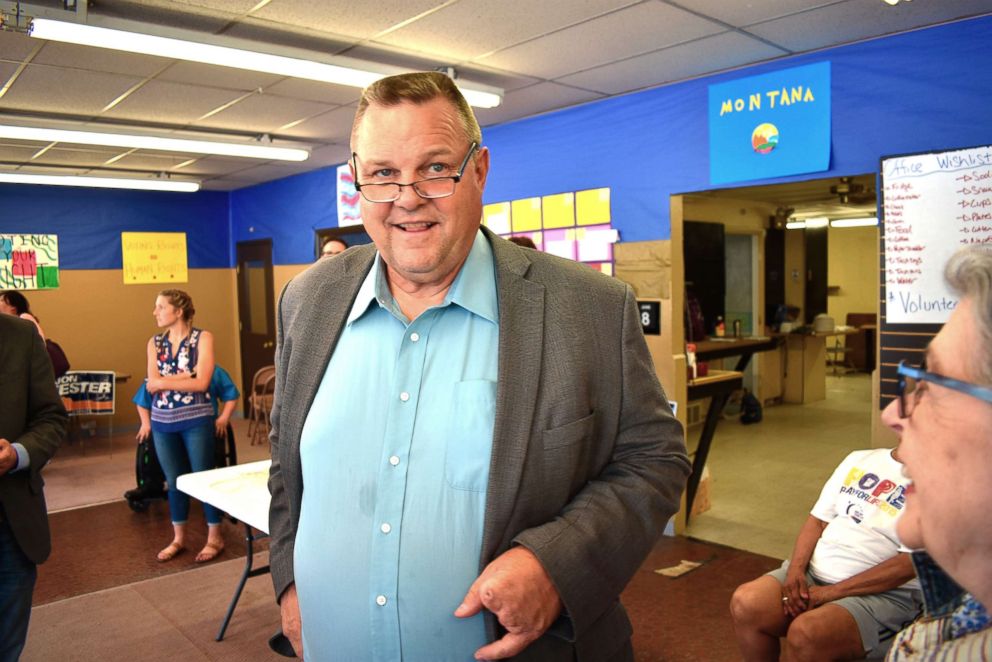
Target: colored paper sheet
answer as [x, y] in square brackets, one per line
[526, 215]
[592, 207]
[154, 257]
[770, 125]
[558, 210]
[560, 243]
[29, 261]
[348, 198]
[496, 217]
[595, 244]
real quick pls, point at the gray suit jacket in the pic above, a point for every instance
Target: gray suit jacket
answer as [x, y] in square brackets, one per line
[588, 463]
[31, 413]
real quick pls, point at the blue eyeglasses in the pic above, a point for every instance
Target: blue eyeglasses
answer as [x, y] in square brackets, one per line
[909, 382]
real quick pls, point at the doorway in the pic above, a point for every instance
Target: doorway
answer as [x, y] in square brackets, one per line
[256, 311]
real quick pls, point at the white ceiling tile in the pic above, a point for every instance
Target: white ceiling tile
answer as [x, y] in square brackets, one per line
[468, 29]
[332, 126]
[216, 166]
[15, 46]
[195, 73]
[170, 103]
[353, 19]
[143, 161]
[224, 184]
[65, 91]
[752, 11]
[329, 155]
[532, 100]
[855, 19]
[176, 14]
[72, 56]
[311, 90]
[645, 27]
[271, 171]
[722, 51]
[263, 113]
[74, 157]
[17, 153]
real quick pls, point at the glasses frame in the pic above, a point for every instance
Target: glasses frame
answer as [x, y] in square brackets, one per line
[399, 191]
[921, 374]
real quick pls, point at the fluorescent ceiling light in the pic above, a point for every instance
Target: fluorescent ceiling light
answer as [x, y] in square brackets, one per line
[140, 141]
[819, 222]
[853, 222]
[194, 49]
[795, 225]
[101, 182]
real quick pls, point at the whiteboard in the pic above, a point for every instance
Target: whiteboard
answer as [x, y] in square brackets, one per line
[933, 204]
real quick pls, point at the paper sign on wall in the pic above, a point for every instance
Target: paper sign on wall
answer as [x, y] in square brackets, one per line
[348, 198]
[154, 257]
[29, 261]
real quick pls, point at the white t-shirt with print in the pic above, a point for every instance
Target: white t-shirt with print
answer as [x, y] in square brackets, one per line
[861, 503]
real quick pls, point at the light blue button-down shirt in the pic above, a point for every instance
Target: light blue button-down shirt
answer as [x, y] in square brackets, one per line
[395, 453]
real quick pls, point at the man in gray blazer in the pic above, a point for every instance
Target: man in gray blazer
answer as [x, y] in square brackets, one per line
[471, 453]
[32, 425]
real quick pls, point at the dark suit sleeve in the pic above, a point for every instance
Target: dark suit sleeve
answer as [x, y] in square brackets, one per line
[600, 538]
[282, 528]
[46, 416]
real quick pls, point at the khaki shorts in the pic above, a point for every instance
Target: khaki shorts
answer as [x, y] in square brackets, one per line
[879, 616]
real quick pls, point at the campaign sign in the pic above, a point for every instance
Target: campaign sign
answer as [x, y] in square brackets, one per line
[770, 125]
[87, 391]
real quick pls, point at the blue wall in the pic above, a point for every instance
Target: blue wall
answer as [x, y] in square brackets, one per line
[925, 90]
[88, 222]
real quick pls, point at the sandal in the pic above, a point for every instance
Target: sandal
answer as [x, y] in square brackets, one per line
[172, 551]
[209, 552]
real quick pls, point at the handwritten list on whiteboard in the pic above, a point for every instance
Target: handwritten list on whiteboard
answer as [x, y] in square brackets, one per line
[933, 205]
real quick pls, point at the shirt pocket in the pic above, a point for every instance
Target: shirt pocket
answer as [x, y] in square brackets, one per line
[469, 433]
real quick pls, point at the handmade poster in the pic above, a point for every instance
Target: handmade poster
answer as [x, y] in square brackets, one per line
[87, 392]
[29, 261]
[153, 257]
[348, 198]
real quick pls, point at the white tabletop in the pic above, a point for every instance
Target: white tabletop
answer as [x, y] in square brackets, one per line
[240, 491]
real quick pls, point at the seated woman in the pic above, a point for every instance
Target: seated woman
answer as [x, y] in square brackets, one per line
[14, 303]
[848, 587]
[180, 366]
[943, 417]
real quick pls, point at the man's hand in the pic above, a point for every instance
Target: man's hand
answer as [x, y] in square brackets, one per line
[292, 627]
[795, 594]
[821, 595]
[518, 591]
[8, 456]
[143, 432]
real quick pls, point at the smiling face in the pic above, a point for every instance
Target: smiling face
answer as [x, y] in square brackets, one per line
[946, 446]
[165, 313]
[423, 242]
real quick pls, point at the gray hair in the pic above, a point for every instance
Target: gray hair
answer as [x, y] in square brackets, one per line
[969, 274]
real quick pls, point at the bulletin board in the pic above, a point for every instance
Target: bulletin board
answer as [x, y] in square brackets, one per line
[154, 257]
[29, 261]
[933, 204]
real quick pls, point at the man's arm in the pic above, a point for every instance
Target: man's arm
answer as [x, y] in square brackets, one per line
[887, 575]
[46, 417]
[795, 592]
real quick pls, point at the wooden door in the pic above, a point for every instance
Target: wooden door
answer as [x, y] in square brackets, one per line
[256, 310]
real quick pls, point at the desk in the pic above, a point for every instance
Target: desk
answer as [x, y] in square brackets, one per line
[718, 385]
[707, 350]
[806, 366]
[242, 492]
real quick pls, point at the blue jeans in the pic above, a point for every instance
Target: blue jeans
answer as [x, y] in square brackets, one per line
[180, 453]
[17, 576]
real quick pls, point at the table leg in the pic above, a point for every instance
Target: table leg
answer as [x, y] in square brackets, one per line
[717, 403]
[248, 572]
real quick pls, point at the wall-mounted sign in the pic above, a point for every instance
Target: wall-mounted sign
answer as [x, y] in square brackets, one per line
[770, 125]
[650, 312]
[153, 257]
[348, 198]
[29, 261]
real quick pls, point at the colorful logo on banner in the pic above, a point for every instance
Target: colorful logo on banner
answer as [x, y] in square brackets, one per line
[29, 261]
[770, 125]
[348, 211]
[87, 392]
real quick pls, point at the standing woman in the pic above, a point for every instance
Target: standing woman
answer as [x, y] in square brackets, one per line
[180, 365]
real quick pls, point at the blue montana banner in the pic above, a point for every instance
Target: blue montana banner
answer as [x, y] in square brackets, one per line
[770, 125]
[87, 391]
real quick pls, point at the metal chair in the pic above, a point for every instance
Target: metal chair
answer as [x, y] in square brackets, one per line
[263, 386]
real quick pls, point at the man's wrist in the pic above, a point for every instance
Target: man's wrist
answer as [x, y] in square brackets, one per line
[23, 459]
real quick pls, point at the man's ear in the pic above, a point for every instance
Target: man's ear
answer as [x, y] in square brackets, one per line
[481, 171]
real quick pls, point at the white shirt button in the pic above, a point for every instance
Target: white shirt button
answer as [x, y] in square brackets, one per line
[404, 396]
[380, 600]
[394, 460]
[414, 336]
[385, 528]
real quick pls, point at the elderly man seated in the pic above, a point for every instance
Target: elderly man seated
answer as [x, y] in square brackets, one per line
[848, 587]
[944, 420]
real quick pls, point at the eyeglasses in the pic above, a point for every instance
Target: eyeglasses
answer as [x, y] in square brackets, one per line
[430, 189]
[909, 386]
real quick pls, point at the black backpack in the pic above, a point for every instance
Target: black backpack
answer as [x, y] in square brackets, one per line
[750, 409]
